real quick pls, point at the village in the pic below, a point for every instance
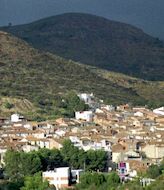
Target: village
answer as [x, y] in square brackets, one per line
[133, 137]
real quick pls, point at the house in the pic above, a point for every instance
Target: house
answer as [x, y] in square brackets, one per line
[59, 177]
[159, 111]
[87, 98]
[138, 114]
[159, 128]
[29, 148]
[160, 119]
[84, 115]
[154, 150]
[31, 125]
[62, 177]
[49, 143]
[60, 132]
[17, 118]
[118, 153]
[39, 133]
[62, 122]
[108, 108]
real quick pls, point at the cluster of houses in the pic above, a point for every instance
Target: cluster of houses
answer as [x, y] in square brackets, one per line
[130, 135]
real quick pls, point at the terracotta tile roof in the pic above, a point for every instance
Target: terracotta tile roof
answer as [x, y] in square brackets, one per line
[118, 148]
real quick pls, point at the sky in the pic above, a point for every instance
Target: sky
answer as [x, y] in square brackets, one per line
[145, 14]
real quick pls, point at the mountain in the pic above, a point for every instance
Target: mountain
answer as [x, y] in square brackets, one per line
[147, 14]
[96, 41]
[35, 81]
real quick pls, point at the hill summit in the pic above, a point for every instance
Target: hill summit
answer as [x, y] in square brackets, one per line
[97, 41]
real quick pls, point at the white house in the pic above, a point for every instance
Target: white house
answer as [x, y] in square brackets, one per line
[99, 111]
[108, 107]
[159, 111]
[84, 115]
[138, 114]
[60, 132]
[87, 98]
[29, 148]
[62, 177]
[59, 177]
[16, 118]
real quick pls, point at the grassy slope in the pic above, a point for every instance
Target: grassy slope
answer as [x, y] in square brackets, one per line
[151, 91]
[98, 42]
[19, 106]
[28, 73]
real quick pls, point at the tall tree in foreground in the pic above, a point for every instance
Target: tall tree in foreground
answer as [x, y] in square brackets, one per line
[35, 182]
[20, 164]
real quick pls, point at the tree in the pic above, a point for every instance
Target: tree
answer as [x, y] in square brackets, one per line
[99, 181]
[8, 185]
[157, 185]
[72, 155]
[131, 185]
[96, 160]
[50, 159]
[73, 103]
[153, 171]
[20, 164]
[93, 159]
[113, 179]
[9, 105]
[35, 182]
[161, 167]
[30, 163]
[88, 180]
[11, 159]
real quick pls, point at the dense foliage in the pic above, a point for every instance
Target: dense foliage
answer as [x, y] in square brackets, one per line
[20, 164]
[158, 184]
[98, 181]
[89, 160]
[155, 171]
[72, 103]
[35, 182]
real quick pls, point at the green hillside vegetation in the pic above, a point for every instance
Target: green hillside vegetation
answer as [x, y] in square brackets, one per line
[149, 90]
[44, 83]
[98, 42]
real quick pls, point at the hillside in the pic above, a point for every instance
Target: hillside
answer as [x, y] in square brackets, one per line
[43, 78]
[148, 90]
[98, 42]
[9, 105]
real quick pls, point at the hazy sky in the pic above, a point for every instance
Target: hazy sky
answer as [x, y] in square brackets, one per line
[146, 14]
